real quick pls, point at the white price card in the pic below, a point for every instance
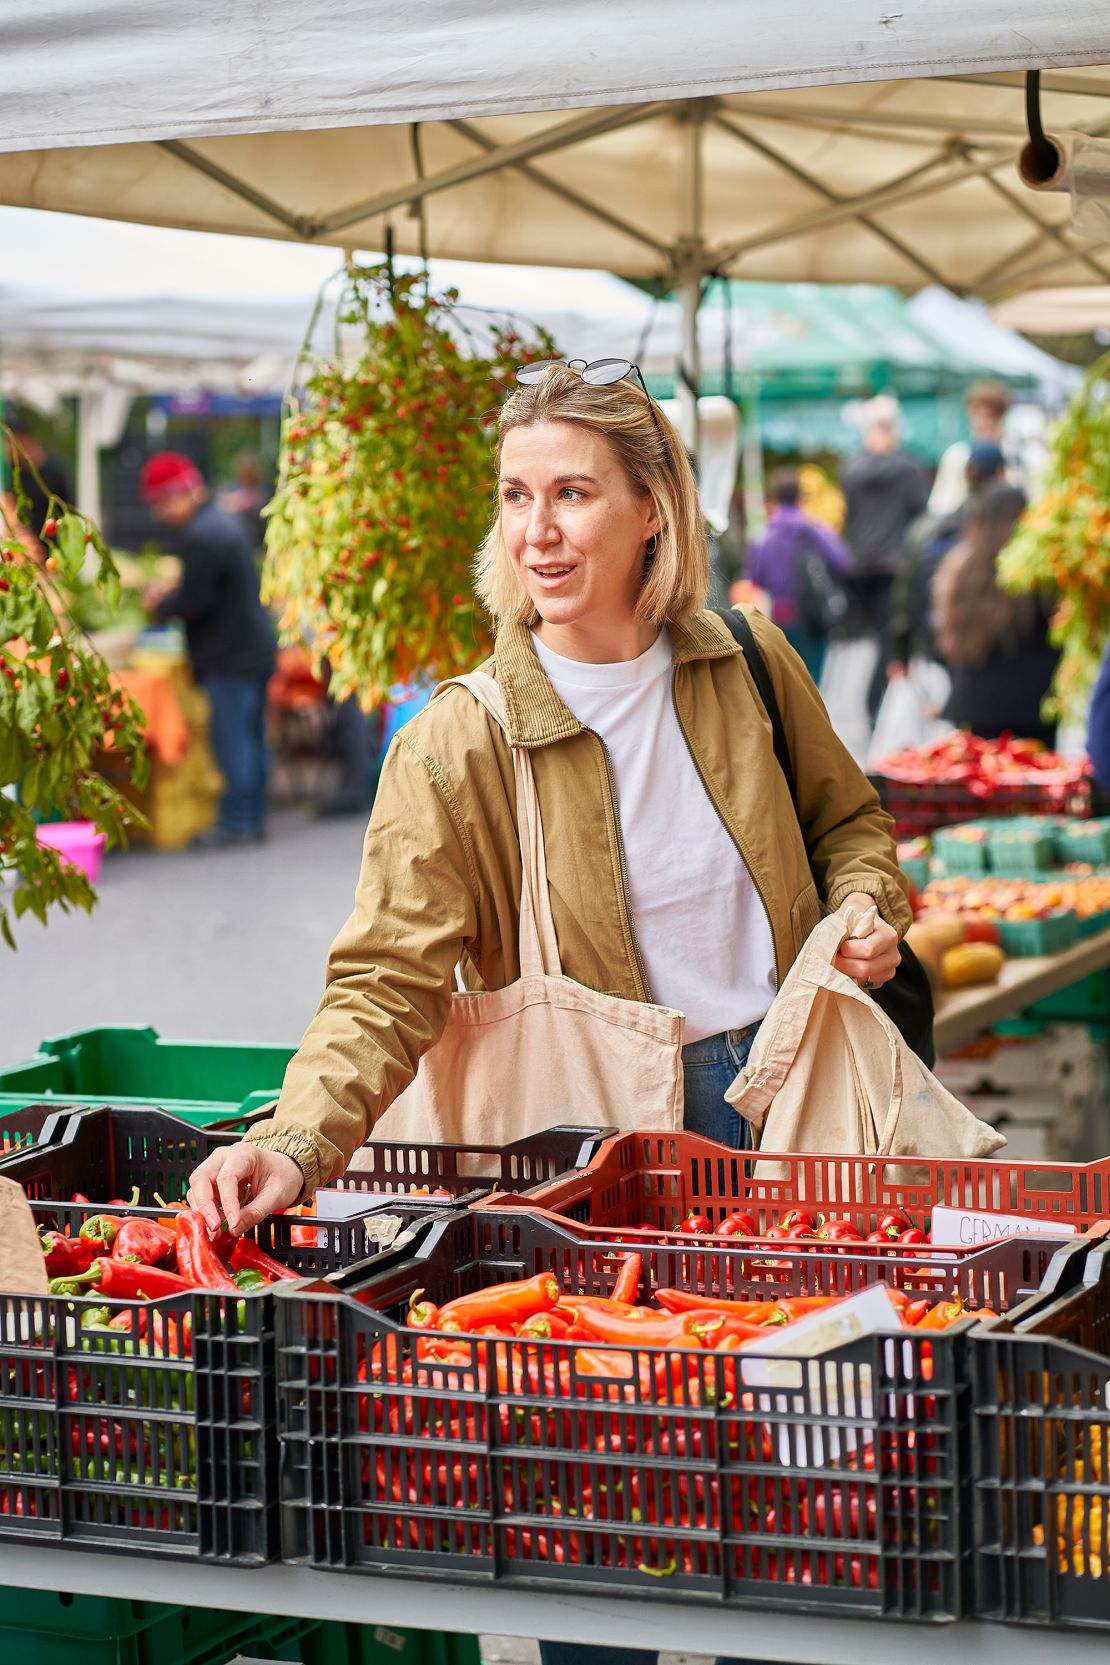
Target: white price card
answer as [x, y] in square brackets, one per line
[968, 1228]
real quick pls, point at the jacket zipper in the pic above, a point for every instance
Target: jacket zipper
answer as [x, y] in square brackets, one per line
[623, 864]
[721, 817]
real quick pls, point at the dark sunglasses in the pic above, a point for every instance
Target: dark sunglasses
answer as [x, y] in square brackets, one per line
[603, 372]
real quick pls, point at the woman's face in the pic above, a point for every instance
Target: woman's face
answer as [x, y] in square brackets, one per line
[573, 526]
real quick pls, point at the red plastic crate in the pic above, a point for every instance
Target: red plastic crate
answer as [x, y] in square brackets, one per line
[651, 1181]
[515, 1463]
[919, 808]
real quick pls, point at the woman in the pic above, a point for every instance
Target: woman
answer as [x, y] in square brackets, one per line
[677, 868]
[994, 645]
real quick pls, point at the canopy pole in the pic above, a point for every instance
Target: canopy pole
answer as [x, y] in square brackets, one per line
[690, 267]
[88, 456]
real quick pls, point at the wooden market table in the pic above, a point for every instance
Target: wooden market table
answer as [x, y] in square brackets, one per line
[301, 1592]
[962, 1014]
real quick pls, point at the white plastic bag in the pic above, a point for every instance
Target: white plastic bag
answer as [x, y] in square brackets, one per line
[829, 1071]
[910, 712]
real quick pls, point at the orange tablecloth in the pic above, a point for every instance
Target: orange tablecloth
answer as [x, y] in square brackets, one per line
[167, 733]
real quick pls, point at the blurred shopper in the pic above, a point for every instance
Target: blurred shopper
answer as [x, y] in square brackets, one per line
[986, 404]
[354, 739]
[229, 632]
[41, 478]
[928, 541]
[246, 497]
[799, 563]
[995, 645]
[884, 493]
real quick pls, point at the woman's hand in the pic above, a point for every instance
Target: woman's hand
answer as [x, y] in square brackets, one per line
[872, 960]
[216, 1186]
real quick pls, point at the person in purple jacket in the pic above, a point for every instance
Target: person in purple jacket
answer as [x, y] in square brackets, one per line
[799, 561]
[1098, 726]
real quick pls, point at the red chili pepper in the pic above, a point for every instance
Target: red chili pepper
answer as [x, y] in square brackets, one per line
[143, 1240]
[126, 1202]
[128, 1280]
[627, 1286]
[66, 1257]
[197, 1261]
[738, 1225]
[423, 1315]
[79, 1197]
[508, 1302]
[247, 1256]
[685, 1300]
[913, 1312]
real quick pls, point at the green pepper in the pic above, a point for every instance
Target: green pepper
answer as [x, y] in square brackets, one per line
[249, 1280]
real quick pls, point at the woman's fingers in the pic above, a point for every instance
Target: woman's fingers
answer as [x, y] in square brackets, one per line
[218, 1184]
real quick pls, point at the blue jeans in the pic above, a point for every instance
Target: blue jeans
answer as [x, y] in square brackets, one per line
[709, 1067]
[238, 706]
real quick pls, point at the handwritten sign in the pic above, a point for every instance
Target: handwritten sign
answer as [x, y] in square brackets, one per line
[968, 1228]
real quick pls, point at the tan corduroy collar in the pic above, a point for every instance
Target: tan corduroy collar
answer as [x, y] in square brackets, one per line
[537, 716]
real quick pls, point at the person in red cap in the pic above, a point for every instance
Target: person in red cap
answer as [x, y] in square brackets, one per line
[229, 633]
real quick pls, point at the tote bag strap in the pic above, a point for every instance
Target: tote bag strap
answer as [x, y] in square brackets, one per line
[538, 945]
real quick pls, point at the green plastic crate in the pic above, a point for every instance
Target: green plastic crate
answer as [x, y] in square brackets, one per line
[348, 1644]
[916, 869]
[132, 1064]
[1022, 938]
[55, 1630]
[1087, 1001]
[1084, 841]
[961, 857]
[1021, 848]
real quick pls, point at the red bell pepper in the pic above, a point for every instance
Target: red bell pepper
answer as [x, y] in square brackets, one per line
[143, 1240]
[66, 1257]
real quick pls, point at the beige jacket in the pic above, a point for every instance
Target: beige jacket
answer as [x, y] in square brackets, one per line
[441, 875]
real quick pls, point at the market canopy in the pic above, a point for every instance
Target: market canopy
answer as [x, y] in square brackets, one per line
[762, 141]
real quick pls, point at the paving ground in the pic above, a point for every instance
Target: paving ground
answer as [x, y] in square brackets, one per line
[224, 945]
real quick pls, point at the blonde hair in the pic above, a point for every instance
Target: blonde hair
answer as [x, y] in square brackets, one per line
[676, 577]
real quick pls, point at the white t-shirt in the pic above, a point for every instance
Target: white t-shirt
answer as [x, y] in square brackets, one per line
[702, 930]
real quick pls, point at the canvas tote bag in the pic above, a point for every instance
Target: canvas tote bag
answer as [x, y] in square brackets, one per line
[545, 1051]
[828, 1071]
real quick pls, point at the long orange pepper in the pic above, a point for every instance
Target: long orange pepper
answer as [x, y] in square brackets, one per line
[643, 1327]
[942, 1315]
[508, 1303]
[684, 1300]
[627, 1286]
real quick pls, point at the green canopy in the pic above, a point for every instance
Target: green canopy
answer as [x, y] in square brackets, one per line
[821, 341]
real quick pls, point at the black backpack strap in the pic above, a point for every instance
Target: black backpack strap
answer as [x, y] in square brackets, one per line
[744, 634]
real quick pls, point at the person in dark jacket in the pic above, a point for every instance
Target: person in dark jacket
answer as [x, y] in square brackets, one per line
[229, 634]
[884, 493]
[995, 645]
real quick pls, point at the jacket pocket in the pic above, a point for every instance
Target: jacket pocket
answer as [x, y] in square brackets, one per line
[804, 914]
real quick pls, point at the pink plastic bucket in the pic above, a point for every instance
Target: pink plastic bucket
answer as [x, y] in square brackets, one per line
[77, 842]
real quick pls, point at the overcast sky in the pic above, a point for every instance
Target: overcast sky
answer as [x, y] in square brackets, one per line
[52, 255]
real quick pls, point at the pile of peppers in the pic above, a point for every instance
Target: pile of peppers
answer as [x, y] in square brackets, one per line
[608, 1431]
[132, 1258]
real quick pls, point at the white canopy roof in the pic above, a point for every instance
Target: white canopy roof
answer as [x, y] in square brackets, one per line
[765, 141]
[84, 72]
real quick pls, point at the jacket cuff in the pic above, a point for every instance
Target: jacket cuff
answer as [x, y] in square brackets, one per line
[887, 895]
[294, 1142]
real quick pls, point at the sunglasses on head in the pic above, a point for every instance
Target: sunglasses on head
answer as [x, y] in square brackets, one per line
[602, 372]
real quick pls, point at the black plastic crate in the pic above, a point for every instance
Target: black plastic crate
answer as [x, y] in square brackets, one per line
[163, 1437]
[31, 1124]
[1041, 1456]
[513, 1462]
[106, 1151]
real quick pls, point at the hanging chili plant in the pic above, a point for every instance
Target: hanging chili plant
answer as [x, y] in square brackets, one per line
[385, 488]
[1062, 545]
[58, 706]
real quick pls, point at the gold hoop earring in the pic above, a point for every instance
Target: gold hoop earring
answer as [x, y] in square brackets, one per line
[652, 546]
